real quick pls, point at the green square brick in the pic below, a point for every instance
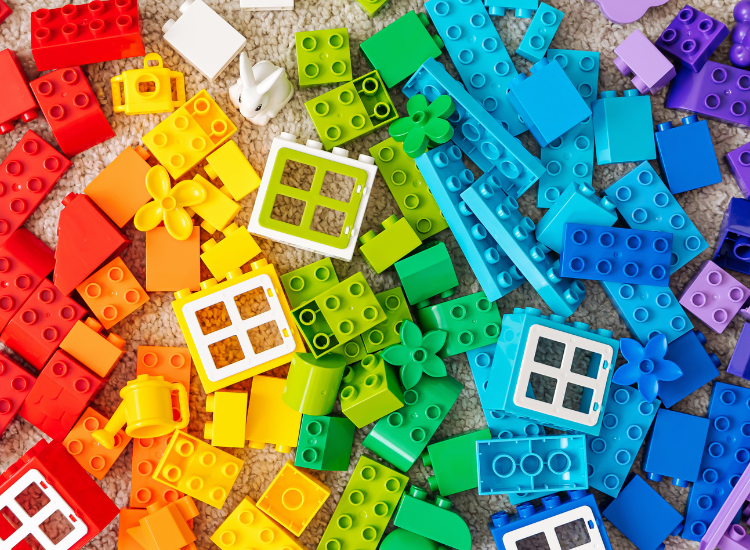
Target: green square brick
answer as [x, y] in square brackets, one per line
[427, 273]
[371, 7]
[325, 443]
[371, 390]
[387, 333]
[454, 463]
[382, 250]
[308, 282]
[323, 57]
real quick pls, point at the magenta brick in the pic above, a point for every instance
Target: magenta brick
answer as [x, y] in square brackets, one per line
[651, 69]
[739, 163]
[692, 37]
[714, 296]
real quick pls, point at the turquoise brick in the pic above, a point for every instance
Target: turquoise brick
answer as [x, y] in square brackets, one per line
[523, 8]
[623, 128]
[540, 33]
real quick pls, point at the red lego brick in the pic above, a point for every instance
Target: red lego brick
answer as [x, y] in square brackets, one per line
[62, 392]
[86, 238]
[37, 330]
[17, 103]
[15, 385]
[89, 33]
[57, 474]
[5, 12]
[24, 262]
[27, 175]
[71, 109]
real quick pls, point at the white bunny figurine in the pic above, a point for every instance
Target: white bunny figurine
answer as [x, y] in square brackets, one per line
[261, 91]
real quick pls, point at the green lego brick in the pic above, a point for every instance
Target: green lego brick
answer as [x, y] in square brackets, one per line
[454, 463]
[387, 333]
[471, 322]
[365, 508]
[338, 315]
[323, 57]
[308, 282]
[433, 520]
[408, 188]
[312, 383]
[325, 443]
[399, 49]
[353, 351]
[401, 437]
[383, 250]
[371, 391]
[427, 274]
[371, 7]
[401, 539]
[350, 111]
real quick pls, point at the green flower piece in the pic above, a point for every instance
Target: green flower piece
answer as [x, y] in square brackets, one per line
[425, 124]
[417, 354]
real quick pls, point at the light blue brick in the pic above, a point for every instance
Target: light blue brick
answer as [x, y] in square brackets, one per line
[523, 8]
[623, 128]
[480, 363]
[540, 33]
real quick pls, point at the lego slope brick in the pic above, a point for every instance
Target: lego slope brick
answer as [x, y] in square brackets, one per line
[714, 296]
[29, 173]
[71, 109]
[686, 155]
[698, 367]
[636, 55]
[18, 104]
[434, 519]
[739, 163]
[733, 241]
[15, 385]
[692, 37]
[623, 127]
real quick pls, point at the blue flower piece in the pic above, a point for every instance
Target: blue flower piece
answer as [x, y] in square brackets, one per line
[646, 366]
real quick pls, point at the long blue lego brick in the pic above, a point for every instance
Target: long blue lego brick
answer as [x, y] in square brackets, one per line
[479, 56]
[645, 203]
[523, 8]
[515, 234]
[446, 176]
[487, 143]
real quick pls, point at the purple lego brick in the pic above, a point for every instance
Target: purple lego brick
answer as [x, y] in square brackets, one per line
[652, 71]
[735, 538]
[624, 12]
[733, 242]
[739, 163]
[722, 524]
[714, 296]
[739, 364]
[692, 37]
[739, 53]
[716, 91]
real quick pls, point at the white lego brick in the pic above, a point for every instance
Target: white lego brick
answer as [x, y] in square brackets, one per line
[549, 527]
[266, 5]
[313, 148]
[203, 38]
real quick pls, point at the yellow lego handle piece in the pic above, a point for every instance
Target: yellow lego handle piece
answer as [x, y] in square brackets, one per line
[117, 105]
[152, 57]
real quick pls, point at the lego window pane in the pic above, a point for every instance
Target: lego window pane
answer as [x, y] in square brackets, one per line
[226, 352]
[534, 542]
[56, 527]
[549, 352]
[212, 318]
[586, 363]
[328, 221]
[252, 303]
[32, 499]
[575, 400]
[338, 186]
[543, 386]
[264, 337]
[298, 175]
[288, 210]
[572, 535]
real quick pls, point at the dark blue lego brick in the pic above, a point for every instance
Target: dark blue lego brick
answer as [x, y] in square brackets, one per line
[698, 367]
[733, 242]
[686, 155]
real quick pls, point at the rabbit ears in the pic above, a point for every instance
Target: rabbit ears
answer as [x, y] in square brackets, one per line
[248, 78]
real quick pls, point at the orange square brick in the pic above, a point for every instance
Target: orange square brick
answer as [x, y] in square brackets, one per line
[128, 519]
[96, 459]
[120, 189]
[145, 490]
[85, 343]
[112, 293]
[172, 265]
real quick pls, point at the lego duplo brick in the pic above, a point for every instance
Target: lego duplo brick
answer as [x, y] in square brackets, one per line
[483, 62]
[610, 455]
[236, 249]
[144, 489]
[170, 526]
[98, 352]
[503, 425]
[386, 333]
[218, 210]
[309, 282]
[371, 7]
[173, 364]
[686, 155]
[739, 364]
[723, 529]
[396, 240]
[130, 93]
[623, 127]
[269, 419]
[521, 8]
[247, 525]
[739, 163]
[446, 175]
[93, 457]
[172, 265]
[644, 202]
[692, 37]
[18, 104]
[401, 437]
[540, 33]
[104, 30]
[714, 296]
[515, 234]
[636, 55]
[15, 385]
[232, 168]
[371, 390]
[427, 273]
[228, 424]
[434, 519]
[480, 363]
[733, 240]
[312, 383]
[323, 57]
[5, 11]
[365, 507]
[453, 463]
[128, 519]
[325, 443]
[698, 367]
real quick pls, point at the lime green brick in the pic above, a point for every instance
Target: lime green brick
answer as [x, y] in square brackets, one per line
[427, 273]
[372, 7]
[454, 463]
[387, 333]
[353, 351]
[323, 57]
[325, 443]
[308, 282]
[371, 390]
[384, 249]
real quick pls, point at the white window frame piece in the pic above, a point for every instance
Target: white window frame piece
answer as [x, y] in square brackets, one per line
[30, 525]
[547, 526]
[563, 376]
[239, 328]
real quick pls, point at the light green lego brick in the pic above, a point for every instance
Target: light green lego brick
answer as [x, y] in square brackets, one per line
[371, 390]
[371, 7]
[427, 273]
[387, 333]
[454, 463]
[384, 249]
[353, 351]
[323, 57]
[308, 282]
[325, 443]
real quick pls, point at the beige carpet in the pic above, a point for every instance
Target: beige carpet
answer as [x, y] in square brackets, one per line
[271, 36]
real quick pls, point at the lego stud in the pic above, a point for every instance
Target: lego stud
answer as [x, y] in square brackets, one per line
[352, 349]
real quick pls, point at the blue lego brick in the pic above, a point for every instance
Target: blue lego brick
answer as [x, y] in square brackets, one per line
[547, 101]
[540, 33]
[725, 457]
[610, 454]
[733, 242]
[698, 367]
[515, 234]
[480, 56]
[523, 8]
[686, 155]
[643, 516]
[532, 464]
[484, 140]
[480, 363]
[579, 505]
[446, 176]
[644, 202]
[582, 68]
[578, 204]
[616, 254]
[674, 447]
[623, 128]
[503, 425]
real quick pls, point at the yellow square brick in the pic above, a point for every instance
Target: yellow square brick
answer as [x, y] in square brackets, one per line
[269, 419]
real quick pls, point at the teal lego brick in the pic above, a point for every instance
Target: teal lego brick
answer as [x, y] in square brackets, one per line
[521, 8]
[386, 333]
[623, 128]
[454, 463]
[540, 33]
[325, 443]
[323, 57]
[427, 273]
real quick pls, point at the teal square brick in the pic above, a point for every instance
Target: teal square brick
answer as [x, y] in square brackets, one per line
[325, 443]
[323, 57]
[623, 128]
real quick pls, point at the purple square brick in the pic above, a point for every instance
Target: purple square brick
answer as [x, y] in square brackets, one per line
[692, 37]
[739, 163]
[714, 296]
[652, 71]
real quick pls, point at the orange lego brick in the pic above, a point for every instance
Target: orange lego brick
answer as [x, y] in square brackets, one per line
[172, 265]
[167, 527]
[85, 343]
[171, 363]
[120, 189]
[293, 498]
[248, 527]
[112, 293]
[95, 458]
[129, 518]
[269, 419]
[144, 489]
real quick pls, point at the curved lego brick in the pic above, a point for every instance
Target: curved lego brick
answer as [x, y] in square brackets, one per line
[623, 13]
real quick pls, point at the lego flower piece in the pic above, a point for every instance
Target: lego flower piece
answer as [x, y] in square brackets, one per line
[622, 12]
[417, 354]
[169, 204]
[646, 366]
[426, 124]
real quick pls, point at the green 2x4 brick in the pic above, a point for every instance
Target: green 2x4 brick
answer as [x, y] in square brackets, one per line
[323, 57]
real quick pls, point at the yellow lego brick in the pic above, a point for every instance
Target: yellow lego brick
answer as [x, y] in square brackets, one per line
[293, 498]
[96, 459]
[218, 210]
[148, 90]
[233, 169]
[248, 527]
[269, 419]
[198, 469]
[237, 248]
[228, 426]
[188, 135]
